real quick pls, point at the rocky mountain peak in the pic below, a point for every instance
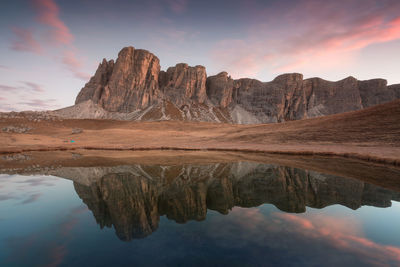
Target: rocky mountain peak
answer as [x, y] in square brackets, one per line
[220, 89]
[134, 88]
[289, 77]
[182, 84]
[95, 87]
[129, 84]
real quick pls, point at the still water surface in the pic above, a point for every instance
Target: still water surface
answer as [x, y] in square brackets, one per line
[227, 214]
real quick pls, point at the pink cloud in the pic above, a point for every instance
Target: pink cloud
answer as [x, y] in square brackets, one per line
[74, 65]
[69, 59]
[48, 14]
[238, 58]
[178, 6]
[295, 64]
[7, 88]
[25, 41]
[326, 34]
[300, 221]
[369, 31]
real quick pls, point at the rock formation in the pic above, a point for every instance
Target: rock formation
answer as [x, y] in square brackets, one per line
[134, 88]
[396, 90]
[183, 84]
[128, 85]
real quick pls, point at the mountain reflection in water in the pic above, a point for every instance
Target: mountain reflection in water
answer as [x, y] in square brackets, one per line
[132, 198]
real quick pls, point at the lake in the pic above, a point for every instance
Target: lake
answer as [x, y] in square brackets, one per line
[238, 213]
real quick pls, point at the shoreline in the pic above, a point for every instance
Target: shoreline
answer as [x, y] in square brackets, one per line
[349, 155]
[41, 162]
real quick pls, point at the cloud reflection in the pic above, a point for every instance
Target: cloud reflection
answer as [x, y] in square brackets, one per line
[46, 247]
[287, 237]
[32, 198]
[341, 234]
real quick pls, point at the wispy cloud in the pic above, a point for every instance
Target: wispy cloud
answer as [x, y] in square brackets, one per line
[178, 6]
[25, 41]
[40, 103]
[4, 67]
[327, 34]
[26, 87]
[71, 61]
[34, 86]
[48, 14]
[28, 92]
[7, 88]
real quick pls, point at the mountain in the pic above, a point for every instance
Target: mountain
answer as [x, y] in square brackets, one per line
[134, 88]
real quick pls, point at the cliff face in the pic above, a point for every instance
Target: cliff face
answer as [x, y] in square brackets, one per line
[93, 90]
[132, 198]
[396, 90]
[128, 85]
[220, 89]
[183, 84]
[135, 85]
[290, 97]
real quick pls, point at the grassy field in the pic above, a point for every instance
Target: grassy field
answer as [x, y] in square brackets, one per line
[370, 134]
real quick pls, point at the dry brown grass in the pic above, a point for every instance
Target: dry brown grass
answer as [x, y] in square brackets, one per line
[371, 134]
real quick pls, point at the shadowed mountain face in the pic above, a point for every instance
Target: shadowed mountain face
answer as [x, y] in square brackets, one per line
[134, 88]
[132, 198]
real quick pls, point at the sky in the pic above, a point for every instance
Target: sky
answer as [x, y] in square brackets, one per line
[50, 48]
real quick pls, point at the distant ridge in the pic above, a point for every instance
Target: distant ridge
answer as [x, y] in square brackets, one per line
[134, 88]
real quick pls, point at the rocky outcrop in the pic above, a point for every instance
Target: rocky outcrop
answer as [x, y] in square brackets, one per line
[128, 85]
[134, 88]
[132, 198]
[183, 84]
[396, 90]
[290, 97]
[269, 102]
[220, 89]
[16, 129]
[94, 89]
[374, 92]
